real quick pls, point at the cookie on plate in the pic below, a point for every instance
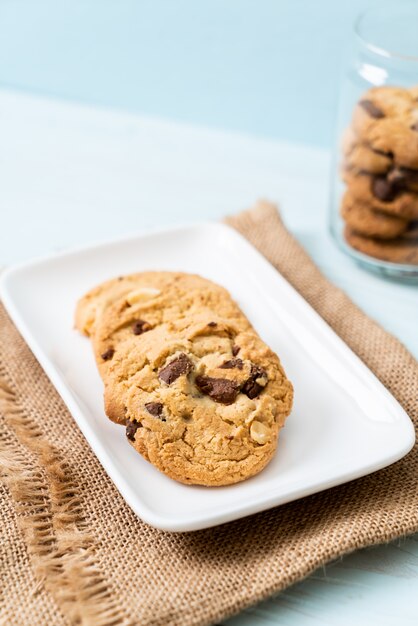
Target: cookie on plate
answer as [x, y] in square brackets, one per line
[150, 314]
[90, 307]
[200, 394]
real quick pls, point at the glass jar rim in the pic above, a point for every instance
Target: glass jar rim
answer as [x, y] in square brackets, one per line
[375, 47]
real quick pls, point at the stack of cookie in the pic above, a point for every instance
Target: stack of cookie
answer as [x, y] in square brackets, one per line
[201, 396]
[380, 169]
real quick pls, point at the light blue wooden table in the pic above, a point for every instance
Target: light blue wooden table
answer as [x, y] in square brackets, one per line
[71, 175]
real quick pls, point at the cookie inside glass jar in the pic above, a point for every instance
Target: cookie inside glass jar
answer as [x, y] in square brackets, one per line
[380, 172]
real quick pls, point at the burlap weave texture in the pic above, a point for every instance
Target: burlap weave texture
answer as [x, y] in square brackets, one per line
[72, 552]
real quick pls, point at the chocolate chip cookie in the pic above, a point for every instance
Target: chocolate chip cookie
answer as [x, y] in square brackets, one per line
[386, 120]
[361, 158]
[380, 169]
[200, 394]
[383, 194]
[379, 103]
[403, 249]
[90, 307]
[398, 138]
[365, 221]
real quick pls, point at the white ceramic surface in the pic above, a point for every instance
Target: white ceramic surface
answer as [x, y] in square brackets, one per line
[344, 423]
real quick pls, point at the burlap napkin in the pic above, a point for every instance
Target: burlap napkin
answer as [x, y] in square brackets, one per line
[72, 552]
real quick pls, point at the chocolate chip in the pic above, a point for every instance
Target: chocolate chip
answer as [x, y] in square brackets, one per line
[140, 326]
[384, 189]
[372, 109]
[251, 387]
[212, 324]
[154, 408]
[414, 126]
[131, 428]
[231, 364]
[219, 389]
[180, 365]
[106, 356]
[235, 350]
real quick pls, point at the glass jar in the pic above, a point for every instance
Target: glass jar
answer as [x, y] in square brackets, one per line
[374, 182]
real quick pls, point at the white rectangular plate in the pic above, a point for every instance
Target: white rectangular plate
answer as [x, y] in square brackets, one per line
[344, 423]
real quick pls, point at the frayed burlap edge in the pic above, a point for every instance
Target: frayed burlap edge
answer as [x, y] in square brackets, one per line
[51, 519]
